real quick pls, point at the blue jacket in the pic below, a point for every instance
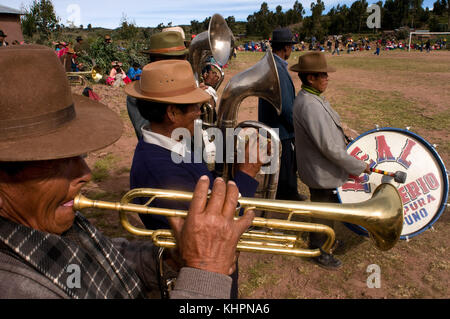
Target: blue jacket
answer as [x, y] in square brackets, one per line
[132, 72]
[267, 113]
[153, 167]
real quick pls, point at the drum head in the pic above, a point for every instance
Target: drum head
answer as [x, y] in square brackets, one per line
[425, 191]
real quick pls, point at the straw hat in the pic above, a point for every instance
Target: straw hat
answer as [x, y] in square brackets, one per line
[167, 81]
[167, 43]
[42, 120]
[312, 62]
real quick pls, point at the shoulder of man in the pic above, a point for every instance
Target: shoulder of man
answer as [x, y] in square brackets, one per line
[20, 281]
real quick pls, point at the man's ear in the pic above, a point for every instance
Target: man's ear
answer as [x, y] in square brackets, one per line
[171, 113]
[310, 77]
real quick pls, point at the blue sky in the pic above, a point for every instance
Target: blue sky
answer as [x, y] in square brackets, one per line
[149, 13]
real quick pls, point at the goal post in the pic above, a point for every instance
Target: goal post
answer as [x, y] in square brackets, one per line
[422, 33]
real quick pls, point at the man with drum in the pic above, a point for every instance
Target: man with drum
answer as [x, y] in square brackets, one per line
[322, 160]
[48, 250]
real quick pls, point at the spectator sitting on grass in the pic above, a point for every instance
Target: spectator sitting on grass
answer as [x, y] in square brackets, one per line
[134, 73]
[117, 76]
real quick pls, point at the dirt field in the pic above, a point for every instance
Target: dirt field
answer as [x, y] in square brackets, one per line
[396, 89]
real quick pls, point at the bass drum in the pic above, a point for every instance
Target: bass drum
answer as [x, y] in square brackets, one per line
[425, 191]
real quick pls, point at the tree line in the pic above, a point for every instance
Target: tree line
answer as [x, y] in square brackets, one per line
[40, 18]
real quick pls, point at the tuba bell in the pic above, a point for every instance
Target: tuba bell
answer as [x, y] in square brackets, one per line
[217, 42]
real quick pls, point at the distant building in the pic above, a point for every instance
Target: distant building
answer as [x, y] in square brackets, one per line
[10, 24]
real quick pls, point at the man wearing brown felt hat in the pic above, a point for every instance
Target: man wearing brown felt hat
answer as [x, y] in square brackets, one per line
[322, 160]
[163, 46]
[169, 99]
[47, 248]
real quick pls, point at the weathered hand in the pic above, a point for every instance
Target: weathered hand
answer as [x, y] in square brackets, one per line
[208, 237]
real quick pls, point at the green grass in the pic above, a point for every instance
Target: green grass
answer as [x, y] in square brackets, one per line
[391, 109]
[258, 275]
[102, 167]
[390, 64]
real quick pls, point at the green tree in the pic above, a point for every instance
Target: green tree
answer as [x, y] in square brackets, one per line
[127, 30]
[40, 18]
[231, 22]
[261, 22]
[196, 27]
[295, 15]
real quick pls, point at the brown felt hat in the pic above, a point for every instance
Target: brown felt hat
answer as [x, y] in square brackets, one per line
[168, 81]
[312, 62]
[40, 119]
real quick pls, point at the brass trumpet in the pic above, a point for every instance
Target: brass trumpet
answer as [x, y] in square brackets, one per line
[381, 216]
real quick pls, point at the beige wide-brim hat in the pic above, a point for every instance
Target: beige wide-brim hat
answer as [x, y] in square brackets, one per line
[312, 62]
[170, 43]
[167, 81]
[40, 119]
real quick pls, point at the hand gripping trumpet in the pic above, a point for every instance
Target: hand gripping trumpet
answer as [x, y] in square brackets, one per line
[381, 216]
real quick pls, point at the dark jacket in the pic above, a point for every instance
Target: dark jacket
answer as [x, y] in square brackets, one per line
[267, 113]
[153, 167]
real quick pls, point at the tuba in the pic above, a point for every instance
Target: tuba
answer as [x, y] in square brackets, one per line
[259, 80]
[217, 42]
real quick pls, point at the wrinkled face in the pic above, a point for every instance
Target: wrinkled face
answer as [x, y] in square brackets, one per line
[41, 195]
[319, 81]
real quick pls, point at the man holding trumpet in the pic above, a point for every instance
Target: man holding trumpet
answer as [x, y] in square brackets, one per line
[42, 168]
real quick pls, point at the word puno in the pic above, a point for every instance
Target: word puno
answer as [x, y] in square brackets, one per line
[210, 145]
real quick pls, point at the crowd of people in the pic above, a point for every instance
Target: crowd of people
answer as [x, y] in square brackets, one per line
[337, 43]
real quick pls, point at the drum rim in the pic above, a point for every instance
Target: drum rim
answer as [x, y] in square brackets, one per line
[361, 230]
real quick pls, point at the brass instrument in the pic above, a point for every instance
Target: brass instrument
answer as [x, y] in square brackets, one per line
[77, 78]
[259, 80]
[381, 216]
[218, 42]
[268, 186]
